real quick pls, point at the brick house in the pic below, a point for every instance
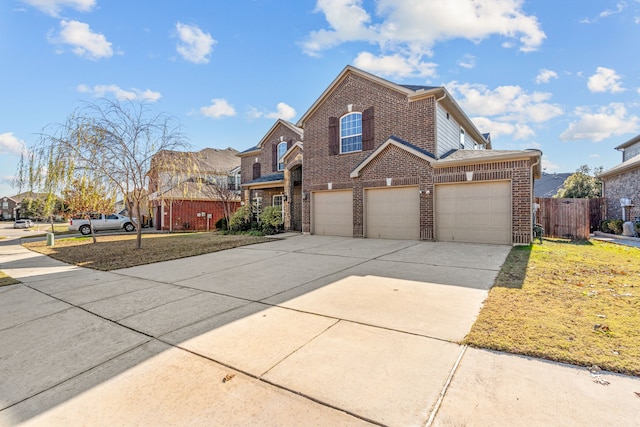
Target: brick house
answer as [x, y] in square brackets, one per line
[272, 173]
[189, 190]
[623, 182]
[384, 160]
[8, 208]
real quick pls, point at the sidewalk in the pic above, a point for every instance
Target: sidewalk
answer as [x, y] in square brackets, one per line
[614, 238]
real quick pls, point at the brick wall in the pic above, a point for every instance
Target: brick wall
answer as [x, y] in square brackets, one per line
[623, 185]
[185, 212]
[265, 155]
[404, 169]
[394, 115]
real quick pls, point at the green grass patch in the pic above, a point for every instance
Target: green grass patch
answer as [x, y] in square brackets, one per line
[574, 302]
[113, 252]
[7, 280]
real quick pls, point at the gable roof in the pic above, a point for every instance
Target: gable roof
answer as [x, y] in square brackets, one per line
[412, 92]
[279, 122]
[549, 184]
[400, 143]
[291, 149]
[632, 163]
[208, 160]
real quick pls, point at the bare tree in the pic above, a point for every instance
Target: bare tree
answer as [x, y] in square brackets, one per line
[219, 189]
[110, 141]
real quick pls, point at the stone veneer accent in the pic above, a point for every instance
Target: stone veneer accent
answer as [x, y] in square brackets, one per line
[624, 184]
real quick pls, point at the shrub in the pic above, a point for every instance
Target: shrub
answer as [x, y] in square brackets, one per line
[604, 226]
[239, 220]
[271, 219]
[615, 225]
[221, 224]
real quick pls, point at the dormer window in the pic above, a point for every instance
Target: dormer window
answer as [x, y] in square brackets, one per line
[282, 149]
[351, 133]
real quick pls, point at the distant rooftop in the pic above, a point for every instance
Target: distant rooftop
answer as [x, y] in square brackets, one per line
[549, 184]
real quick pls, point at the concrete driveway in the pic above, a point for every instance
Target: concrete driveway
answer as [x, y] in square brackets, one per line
[308, 330]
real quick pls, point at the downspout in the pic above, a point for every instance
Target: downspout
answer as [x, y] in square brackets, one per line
[435, 113]
[532, 194]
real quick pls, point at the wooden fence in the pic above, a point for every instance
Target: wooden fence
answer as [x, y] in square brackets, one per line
[569, 218]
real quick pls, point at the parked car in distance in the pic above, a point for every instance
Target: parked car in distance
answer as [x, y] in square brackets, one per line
[102, 222]
[22, 223]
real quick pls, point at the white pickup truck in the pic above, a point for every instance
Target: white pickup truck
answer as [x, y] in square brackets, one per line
[102, 222]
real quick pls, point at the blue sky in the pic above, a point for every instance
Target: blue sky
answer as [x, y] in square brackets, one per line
[561, 76]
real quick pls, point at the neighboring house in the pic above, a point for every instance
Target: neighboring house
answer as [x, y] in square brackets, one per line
[623, 181]
[191, 189]
[266, 180]
[372, 158]
[549, 184]
[8, 208]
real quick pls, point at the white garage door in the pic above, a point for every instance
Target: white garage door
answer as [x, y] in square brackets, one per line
[333, 213]
[393, 213]
[474, 212]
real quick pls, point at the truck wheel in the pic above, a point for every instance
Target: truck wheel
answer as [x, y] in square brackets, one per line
[85, 229]
[128, 227]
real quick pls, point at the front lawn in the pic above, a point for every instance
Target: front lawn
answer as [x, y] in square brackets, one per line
[112, 252]
[569, 302]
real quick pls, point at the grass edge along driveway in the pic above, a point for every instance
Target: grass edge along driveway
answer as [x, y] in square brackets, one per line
[112, 252]
[572, 302]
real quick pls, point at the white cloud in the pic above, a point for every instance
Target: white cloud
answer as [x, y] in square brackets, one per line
[82, 40]
[544, 76]
[594, 156]
[608, 12]
[100, 91]
[283, 111]
[605, 80]
[548, 165]
[395, 65]
[468, 61]
[9, 144]
[608, 121]
[414, 26]
[497, 129]
[506, 103]
[53, 7]
[219, 108]
[195, 45]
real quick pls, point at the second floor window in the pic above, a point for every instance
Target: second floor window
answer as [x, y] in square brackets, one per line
[282, 148]
[351, 133]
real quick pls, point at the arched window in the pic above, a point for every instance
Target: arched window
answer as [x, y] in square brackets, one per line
[351, 133]
[282, 148]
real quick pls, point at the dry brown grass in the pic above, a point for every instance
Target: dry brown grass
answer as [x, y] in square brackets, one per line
[118, 251]
[570, 302]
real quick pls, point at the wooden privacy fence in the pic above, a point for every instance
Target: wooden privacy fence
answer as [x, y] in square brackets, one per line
[569, 218]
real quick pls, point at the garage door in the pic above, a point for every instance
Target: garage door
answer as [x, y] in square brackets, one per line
[333, 213]
[392, 213]
[474, 212]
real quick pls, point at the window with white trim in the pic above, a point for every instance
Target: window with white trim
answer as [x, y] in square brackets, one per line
[461, 139]
[282, 148]
[351, 133]
[278, 200]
